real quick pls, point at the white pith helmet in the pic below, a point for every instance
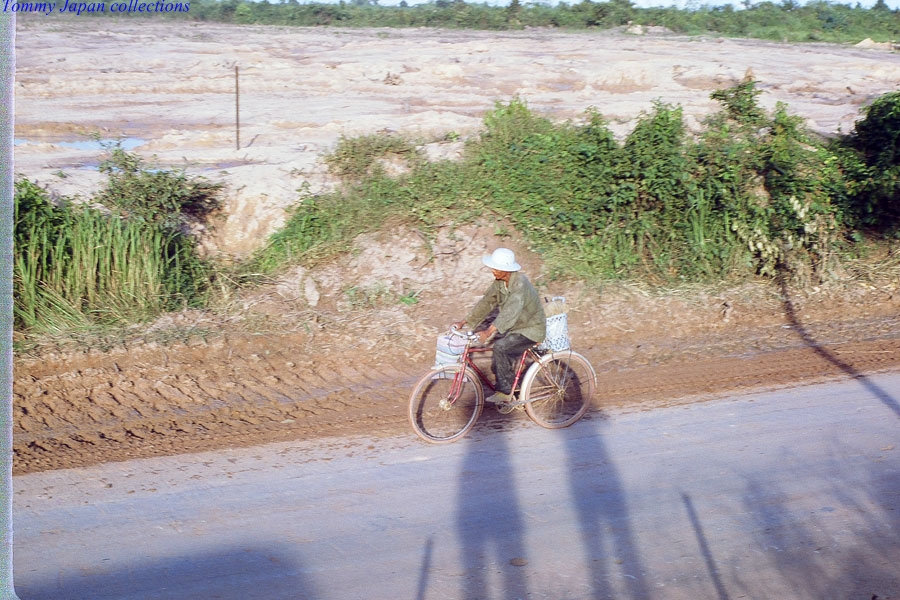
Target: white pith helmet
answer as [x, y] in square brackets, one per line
[502, 259]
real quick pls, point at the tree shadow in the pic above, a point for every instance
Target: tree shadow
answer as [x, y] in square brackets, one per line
[791, 313]
[711, 566]
[229, 574]
[815, 556]
[789, 514]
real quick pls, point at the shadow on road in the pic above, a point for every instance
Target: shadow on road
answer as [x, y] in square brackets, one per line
[791, 314]
[492, 524]
[859, 562]
[230, 574]
[603, 517]
[489, 522]
[425, 569]
[711, 567]
[867, 550]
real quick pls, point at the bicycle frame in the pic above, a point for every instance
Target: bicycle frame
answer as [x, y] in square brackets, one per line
[467, 362]
[554, 389]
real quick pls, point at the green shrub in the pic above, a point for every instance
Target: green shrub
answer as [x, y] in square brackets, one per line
[772, 183]
[871, 158]
[169, 198]
[751, 194]
[740, 105]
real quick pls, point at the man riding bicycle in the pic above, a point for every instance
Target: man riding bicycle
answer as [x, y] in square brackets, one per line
[519, 324]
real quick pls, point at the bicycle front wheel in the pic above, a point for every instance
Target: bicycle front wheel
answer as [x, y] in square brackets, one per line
[558, 389]
[445, 404]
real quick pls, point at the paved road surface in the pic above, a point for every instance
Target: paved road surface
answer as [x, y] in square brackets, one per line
[790, 494]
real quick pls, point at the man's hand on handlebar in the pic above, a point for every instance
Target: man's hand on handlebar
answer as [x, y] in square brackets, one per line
[485, 335]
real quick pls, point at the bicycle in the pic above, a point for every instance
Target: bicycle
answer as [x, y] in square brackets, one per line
[556, 390]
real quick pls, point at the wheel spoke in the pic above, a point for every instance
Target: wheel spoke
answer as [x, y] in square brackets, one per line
[560, 391]
[440, 413]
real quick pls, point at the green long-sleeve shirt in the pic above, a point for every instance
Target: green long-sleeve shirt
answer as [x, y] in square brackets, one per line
[520, 306]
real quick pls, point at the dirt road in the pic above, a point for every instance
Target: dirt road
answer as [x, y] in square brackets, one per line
[728, 499]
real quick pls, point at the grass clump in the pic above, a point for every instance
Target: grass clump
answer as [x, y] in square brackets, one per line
[83, 265]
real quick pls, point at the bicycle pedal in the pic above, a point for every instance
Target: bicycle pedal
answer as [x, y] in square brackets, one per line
[508, 407]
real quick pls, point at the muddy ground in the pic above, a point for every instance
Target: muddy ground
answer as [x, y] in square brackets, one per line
[334, 350]
[278, 370]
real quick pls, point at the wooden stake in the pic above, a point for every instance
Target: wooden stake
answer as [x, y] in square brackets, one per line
[237, 111]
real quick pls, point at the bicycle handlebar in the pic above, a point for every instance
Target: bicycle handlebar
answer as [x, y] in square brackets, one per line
[467, 335]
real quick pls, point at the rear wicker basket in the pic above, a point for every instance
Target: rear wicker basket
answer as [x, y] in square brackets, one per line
[557, 325]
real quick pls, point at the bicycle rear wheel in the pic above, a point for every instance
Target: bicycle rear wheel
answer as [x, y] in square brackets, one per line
[435, 415]
[558, 389]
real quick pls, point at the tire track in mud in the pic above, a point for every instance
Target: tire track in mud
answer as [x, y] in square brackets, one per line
[188, 399]
[95, 408]
[676, 383]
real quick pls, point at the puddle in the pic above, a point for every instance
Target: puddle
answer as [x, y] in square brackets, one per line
[229, 164]
[126, 143]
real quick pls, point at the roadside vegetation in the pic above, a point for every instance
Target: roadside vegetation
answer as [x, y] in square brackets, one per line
[754, 194]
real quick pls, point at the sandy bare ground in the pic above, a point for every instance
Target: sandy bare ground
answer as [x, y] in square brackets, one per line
[171, 86]
[333, 350]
